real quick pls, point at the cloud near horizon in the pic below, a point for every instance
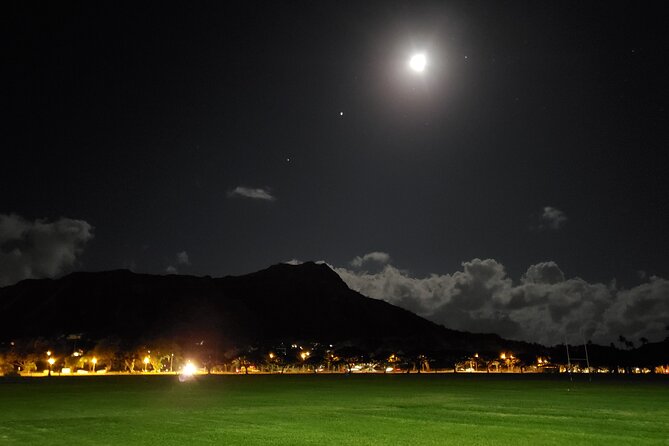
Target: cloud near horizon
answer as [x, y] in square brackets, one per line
[380, 258]
[39, 249]
[254, 193]
[543, 306]
[182, 258]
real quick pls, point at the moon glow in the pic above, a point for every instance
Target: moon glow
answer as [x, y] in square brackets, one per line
[418, 62]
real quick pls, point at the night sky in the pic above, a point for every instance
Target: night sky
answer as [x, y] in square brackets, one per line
[218, 139]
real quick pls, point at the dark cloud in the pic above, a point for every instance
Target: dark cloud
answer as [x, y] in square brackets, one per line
[543, 306]
[254, 193]
[553, 218]
[36, 249]
[182, 258]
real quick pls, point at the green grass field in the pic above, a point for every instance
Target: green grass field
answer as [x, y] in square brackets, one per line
[334, 409]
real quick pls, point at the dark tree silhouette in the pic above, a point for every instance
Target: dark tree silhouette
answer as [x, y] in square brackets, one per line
[623, 340]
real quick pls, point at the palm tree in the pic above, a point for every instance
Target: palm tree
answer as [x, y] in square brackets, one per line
[623, 340]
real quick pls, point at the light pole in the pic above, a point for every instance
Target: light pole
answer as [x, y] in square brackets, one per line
[146, 363]
[94, 361]
[304, 356]
[505, 361]
[49, 360]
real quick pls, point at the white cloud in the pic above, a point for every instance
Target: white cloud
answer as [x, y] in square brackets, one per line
[36, 249]
[543, 307]
[545, 272]
[171, 270]
[379, 257]
[293, 262]
[182, 258]
[553, 218]
[248, 192]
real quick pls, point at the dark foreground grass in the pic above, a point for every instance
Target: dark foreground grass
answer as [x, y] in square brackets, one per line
[334, 409]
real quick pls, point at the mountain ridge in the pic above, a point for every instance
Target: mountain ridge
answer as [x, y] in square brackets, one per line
[282, 302]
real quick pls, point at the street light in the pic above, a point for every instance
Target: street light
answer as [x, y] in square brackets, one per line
[94, 361]
[51, 361]
[189, 369]
[146, 363]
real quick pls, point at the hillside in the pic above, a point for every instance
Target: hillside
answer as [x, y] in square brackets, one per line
[281, 303]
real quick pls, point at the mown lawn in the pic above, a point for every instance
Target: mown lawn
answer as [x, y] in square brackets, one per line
[334, 409]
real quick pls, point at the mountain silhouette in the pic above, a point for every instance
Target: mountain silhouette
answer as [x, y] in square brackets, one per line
[282, 303]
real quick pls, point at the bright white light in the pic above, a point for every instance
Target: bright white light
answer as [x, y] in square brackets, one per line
[418, 62]
[189, 369]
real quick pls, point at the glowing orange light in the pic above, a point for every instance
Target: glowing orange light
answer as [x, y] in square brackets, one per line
[189, 369]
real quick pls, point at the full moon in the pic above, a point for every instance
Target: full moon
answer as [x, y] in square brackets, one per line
[418, 62]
